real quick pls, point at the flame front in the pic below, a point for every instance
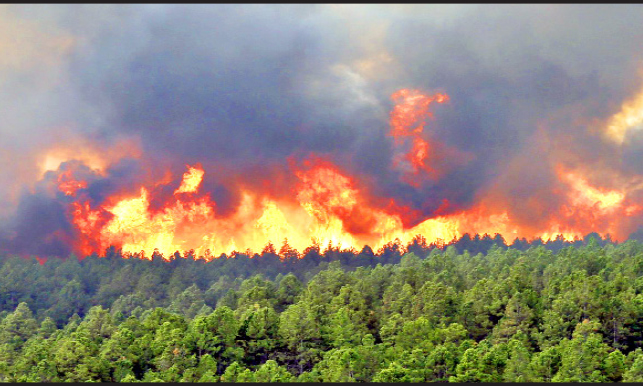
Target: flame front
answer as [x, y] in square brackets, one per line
[329, 210]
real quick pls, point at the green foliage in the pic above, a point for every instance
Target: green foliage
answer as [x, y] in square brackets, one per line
[574, 315]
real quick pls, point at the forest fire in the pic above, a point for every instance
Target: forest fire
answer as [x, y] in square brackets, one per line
[327, 204]
[407, 128]
[321, 193]
[330, 209]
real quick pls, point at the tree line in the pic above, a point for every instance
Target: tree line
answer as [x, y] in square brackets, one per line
[420, 313]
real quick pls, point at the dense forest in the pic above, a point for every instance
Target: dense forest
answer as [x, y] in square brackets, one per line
[473, 310]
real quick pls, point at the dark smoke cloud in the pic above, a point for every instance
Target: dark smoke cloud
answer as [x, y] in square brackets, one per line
[244, 88]
[511, 70]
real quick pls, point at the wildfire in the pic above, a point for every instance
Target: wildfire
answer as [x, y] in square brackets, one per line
[583, 194]
[589, 208]
[419, 154]
[191, 181]
[68, 185]
[328, 206]
[86, 221]
[411, 110]
[330, 209]
[407, 126]
[136, 229]
[329, 203]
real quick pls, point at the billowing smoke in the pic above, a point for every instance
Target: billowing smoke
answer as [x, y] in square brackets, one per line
[288, 110]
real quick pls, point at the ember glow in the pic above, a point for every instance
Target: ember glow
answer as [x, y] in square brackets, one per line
[223, 128]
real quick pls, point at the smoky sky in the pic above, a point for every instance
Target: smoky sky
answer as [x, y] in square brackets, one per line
[243, 89]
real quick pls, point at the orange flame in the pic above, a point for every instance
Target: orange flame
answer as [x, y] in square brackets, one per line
[68, 185]
[411, 110]
[583, 194]
[590, 209]
[330, 210]
[419, 154]
[407, 123]
[191, 180]
[329, 204]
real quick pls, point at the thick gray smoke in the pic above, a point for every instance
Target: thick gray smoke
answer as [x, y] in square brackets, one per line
[246, 89]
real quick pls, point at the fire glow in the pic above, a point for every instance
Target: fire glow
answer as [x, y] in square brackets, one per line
[328, 206]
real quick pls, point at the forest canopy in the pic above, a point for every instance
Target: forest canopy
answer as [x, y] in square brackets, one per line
[437, 314]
